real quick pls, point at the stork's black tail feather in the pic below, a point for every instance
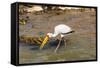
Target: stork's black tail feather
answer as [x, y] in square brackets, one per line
[71, 31]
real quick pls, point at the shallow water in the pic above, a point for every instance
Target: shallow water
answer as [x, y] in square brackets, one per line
[76, 49]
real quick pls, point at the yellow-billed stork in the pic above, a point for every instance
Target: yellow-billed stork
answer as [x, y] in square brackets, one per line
[61, 30]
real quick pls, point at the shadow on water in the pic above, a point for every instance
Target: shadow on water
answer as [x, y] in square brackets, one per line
[50, 44]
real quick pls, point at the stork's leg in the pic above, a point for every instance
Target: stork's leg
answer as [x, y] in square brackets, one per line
[58, 45]
[65, 42]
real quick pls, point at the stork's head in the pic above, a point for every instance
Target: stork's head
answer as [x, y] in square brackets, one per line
[49, 35]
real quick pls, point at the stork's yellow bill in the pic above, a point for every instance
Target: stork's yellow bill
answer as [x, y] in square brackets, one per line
[44, 41]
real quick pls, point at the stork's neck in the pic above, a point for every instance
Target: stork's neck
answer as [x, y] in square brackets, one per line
[54, 34]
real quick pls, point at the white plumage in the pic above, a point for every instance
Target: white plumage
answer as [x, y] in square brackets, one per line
[61, 30]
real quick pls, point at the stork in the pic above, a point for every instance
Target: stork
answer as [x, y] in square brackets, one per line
[61, 30]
